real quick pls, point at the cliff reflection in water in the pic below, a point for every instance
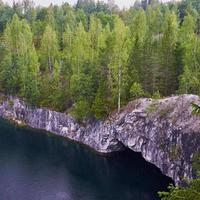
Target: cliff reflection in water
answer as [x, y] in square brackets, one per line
[37, 166]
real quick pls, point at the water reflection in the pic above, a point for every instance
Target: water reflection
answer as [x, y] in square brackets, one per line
[37, 166]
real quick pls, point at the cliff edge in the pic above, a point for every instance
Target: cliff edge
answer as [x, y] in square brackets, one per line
[164, 131]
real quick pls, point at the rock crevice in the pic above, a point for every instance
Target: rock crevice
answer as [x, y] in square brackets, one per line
[164, 131]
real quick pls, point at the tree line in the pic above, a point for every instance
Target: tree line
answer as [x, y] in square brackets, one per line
[91, 58]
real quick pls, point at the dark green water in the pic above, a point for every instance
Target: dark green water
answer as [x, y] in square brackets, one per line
[36, 166]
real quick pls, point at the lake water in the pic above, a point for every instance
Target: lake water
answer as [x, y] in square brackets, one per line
[39, 166]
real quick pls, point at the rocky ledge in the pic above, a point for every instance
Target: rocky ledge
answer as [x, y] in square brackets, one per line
[164, 131]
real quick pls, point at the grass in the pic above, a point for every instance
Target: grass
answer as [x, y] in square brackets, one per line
[150, 109]
[157, 109]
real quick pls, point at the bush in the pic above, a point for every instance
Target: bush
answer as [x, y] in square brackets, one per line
[136, 91]
[190, 192]
[156, 95]
[81, 110]
[196, 162]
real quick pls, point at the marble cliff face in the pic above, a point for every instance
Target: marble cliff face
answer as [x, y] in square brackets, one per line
[164, 131]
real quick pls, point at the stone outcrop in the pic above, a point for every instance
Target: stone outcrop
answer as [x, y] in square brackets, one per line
[164, 131]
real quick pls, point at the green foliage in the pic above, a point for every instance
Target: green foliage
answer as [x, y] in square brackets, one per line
[195, 109]
[49, 49]
[191, 192]
[20, 64]
[119, 58]
[96, 56]
[156, 95]
[190, 78]
[81, 110]
[136, 91]
[168, 82]
[196, 162]
[101, 104]
[6, 14]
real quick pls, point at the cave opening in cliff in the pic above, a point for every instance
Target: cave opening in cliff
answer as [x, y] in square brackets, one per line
[135, 162]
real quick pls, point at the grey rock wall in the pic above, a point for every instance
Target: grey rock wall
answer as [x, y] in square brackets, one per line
[164, 131]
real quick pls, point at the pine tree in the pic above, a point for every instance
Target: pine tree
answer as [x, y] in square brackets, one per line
[151, 51]
[30, 65]
[168, 73]
[136, 67]
[92, 62]
[189, 80]
[20, 64]
[101, 105]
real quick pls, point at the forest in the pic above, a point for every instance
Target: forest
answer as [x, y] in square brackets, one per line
[92, 58]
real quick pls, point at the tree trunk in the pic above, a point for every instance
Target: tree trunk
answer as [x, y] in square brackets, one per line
[119, 87]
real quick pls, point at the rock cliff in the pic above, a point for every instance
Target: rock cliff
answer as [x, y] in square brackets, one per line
[164, 131]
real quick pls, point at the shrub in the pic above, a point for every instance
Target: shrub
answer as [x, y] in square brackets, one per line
[136, 91]
[190, 192]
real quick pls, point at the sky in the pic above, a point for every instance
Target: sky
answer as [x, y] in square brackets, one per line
[120, 3]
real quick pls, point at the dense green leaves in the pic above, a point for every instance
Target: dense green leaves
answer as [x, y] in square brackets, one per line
[195, 109]
[49, 49]
[93, 58]
[191, 192]
[20, 66]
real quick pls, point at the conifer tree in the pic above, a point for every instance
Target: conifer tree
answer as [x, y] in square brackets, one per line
[168, 81]
[20, 64]
[136, 66]
[189, 80]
